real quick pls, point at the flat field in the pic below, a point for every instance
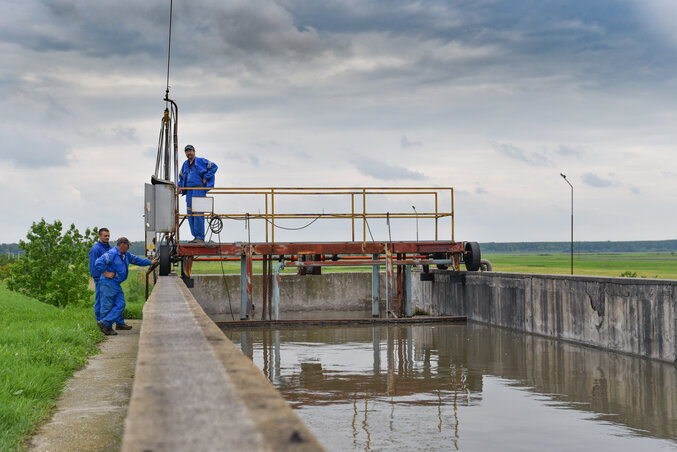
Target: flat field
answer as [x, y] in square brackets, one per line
[641, 265]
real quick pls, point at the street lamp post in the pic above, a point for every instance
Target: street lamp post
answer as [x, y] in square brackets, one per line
[572, 220]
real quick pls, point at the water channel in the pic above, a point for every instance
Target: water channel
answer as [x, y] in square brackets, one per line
[468, 387]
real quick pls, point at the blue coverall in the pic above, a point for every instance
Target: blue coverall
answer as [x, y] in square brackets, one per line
[97, 250]
[112, 297]
[191, 176]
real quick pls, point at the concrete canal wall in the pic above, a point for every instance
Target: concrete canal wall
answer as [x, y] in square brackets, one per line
[630, 315]
[346, 291]
[195, 390]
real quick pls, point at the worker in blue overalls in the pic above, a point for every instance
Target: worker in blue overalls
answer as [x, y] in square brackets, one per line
[114, 268]
[95, 252]
[196, 172]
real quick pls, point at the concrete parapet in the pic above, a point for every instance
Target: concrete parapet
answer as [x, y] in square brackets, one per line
[630, 315]
[344, 291]
[195, 390]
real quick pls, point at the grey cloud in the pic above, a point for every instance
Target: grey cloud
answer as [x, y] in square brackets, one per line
[406, 143]
[32, 149]
[124, 133]
[480, 191]
[634, 190]
[254, 159]
[595, 181]
[384, 171]
[515, 153]
[568, 151]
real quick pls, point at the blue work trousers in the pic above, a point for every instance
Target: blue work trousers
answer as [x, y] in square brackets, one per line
[112, 302]
[97, 300]
[197, 224]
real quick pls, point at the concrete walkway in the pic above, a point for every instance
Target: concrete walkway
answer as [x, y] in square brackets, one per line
[90, 414]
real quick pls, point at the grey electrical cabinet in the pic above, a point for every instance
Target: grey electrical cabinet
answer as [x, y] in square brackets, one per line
[159, 213]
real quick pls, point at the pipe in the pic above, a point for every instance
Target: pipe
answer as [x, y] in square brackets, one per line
[276, 289]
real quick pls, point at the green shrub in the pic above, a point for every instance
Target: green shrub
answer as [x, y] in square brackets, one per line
[55, 267]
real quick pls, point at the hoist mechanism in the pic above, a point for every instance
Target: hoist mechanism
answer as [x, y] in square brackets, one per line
[161, 203]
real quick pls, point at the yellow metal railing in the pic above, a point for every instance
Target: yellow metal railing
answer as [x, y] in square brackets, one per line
[272, 193]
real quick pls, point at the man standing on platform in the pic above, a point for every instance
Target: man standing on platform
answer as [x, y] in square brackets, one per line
[96, 252]
[196, 172]
[114, 268]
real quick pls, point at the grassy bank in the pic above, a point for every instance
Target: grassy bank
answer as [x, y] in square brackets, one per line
[40, 348]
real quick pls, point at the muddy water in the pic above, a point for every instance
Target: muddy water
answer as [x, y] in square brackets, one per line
[465, 387]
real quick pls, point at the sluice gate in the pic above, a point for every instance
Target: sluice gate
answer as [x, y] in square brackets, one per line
[397, 257]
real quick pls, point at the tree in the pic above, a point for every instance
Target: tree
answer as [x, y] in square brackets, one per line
[55, 267]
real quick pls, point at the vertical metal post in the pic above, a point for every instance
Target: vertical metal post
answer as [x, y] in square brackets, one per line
[276, 289]
[389, 279]
[364, 217]
[572, 220]
[374, 288]
[452, 214]
[243, 287]
[352, 212]
[250, 303]
[436, 217]
[272, 214]
[407, 283]
[264, 281]
[266, 217]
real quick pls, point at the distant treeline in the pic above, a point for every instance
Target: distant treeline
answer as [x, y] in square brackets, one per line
[646, 246]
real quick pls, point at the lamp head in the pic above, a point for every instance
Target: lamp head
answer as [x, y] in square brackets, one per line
[562, 174]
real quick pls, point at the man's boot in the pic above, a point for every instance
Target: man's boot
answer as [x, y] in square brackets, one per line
[123, 326]
[105, 330]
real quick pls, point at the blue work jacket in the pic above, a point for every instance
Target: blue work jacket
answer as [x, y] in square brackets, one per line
[192, 175]
[114, 261]
[97, 250]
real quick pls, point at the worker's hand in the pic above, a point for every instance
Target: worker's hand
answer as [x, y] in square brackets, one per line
[204, 181]
[109, 274]
[154, 261]
[180, 190]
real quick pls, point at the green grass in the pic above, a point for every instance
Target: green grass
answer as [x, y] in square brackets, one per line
[40, 348]
[645, 265]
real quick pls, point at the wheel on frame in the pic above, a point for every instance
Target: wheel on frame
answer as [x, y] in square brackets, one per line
[165, 264]
[472, 257]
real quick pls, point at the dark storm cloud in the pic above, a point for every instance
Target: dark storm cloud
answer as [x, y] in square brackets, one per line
[384, 171]
[595, 181]
[515, 153]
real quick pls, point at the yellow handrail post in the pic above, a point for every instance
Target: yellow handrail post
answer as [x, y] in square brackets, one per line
[272, 214]
[436, 217]
[266, 216]
[364, 217]
[352, 212]
[452, 214]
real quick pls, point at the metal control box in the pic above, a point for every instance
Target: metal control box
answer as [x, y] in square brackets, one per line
[159, 211]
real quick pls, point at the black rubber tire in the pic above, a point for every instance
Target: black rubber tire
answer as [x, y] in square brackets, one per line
[165, 264]
[472, 257]
[441, 256]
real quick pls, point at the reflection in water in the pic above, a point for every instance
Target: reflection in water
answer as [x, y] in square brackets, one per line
[465, 387]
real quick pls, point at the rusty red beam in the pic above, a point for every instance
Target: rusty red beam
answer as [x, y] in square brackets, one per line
[293, 248]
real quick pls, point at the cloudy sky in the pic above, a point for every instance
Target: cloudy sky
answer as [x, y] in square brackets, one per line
[492, 97]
